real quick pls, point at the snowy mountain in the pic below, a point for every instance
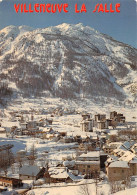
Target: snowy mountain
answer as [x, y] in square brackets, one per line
[66, 61]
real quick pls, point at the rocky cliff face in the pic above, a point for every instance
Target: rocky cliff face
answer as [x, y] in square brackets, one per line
[66, 61]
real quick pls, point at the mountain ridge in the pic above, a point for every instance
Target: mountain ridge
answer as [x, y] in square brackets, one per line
[66, 61]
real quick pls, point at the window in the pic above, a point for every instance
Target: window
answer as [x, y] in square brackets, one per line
[122, 171]
[83, 170]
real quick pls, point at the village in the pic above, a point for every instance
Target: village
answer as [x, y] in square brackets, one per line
[40, 148]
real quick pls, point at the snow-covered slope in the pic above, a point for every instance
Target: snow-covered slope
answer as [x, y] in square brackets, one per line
[66, 61]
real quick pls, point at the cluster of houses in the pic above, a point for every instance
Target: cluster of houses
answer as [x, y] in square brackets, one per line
[122, 160]
[119, 164]
[118, 160]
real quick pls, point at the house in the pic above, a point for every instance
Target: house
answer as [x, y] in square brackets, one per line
[58, 174]
[118, 171]
[133, 166]
[109, 148]
[88, 168]
[31, 172]
[88, 164]
[131, 158]
[10, 182]
[89, 156]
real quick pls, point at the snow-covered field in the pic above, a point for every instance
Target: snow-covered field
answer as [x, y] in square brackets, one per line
[79, 190]
[88, 105]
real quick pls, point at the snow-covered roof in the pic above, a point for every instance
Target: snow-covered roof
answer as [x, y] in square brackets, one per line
[116, 144]
[75, 178]
[58, 172]
[122, 148]
[112, 158]
[87, 162]
[134, 160]
[121, 164]
[127, 156]
[69, 163]
[91, 154]
[128, 145]
[29, 170]
[119, 152]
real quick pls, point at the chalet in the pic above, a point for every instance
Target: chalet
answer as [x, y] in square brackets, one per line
[10, 182]
[59, 174]
[31, 172]
[118, 171]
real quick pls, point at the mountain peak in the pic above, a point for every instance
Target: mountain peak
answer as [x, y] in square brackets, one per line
[67, 60]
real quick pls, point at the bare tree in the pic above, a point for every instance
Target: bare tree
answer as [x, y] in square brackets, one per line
[84, 189]
[19, 160]
[33, 155]
[6, 160]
